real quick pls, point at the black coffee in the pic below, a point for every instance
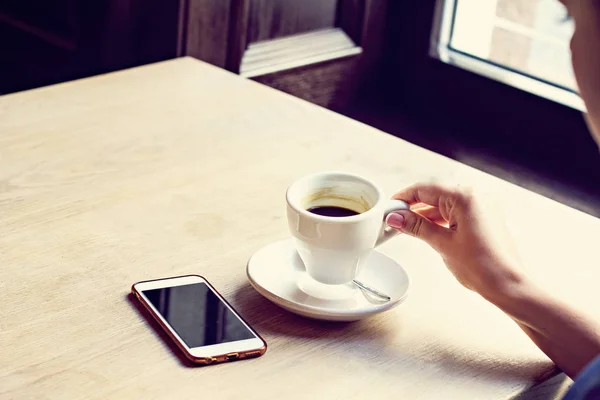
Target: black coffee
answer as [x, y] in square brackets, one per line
[332, 211]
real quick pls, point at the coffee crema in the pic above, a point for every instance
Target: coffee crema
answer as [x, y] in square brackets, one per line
[332, 211]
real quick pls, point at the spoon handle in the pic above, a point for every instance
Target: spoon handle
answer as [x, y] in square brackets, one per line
[371, 290]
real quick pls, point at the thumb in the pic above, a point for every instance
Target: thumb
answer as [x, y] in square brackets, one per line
[418, 226]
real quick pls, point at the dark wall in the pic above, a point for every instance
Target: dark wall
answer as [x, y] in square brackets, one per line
[46, 42]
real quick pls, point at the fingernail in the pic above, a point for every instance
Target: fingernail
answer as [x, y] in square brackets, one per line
[395, 220]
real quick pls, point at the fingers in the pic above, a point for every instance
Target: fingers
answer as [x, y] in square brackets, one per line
[431, 213]
[420, 227]
[453, 203]
[426, 193]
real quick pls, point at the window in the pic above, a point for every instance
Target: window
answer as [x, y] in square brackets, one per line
[523, 43]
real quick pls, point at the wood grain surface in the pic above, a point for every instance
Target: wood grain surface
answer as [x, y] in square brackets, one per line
[178, 168]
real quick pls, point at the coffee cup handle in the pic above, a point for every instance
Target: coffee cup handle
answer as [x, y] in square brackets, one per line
[386, 232]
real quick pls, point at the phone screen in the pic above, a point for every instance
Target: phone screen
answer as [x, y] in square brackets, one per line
[198, 316]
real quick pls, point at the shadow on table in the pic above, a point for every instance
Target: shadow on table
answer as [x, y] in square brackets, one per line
[266, 317]
[375, 336]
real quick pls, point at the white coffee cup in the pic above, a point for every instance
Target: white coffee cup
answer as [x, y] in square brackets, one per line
[334, 249]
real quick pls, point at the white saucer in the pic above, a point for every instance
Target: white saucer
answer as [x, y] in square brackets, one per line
[277, 272]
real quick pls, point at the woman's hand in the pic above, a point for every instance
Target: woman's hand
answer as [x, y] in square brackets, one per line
[474, 244]
[472, 241]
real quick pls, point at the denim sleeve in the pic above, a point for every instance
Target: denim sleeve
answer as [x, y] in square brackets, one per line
[587, 383]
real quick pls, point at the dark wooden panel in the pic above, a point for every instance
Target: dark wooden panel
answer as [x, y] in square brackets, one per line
[56, 17]
[207, 30]
[38, 45]
[26, 61]
[333, 82]
[113, 40]
[238, 33]
[158, 35]
[270, 19]
[74, 39]
[329, 84]
[350, 17]
[372, 39]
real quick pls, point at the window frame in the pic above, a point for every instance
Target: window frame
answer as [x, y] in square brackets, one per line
[441, 49]
[431, 100]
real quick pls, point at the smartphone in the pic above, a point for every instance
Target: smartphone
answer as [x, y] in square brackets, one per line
[202, 324]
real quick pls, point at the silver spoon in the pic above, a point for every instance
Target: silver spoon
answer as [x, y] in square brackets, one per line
[371, 290]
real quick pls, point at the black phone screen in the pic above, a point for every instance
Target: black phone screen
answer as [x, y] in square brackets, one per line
[198, 316]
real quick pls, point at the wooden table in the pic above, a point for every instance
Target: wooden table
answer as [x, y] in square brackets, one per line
[179, 168]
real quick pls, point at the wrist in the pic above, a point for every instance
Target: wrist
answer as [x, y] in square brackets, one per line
[512, 292]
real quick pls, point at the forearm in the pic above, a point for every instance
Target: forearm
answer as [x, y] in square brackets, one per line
[569, 338]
